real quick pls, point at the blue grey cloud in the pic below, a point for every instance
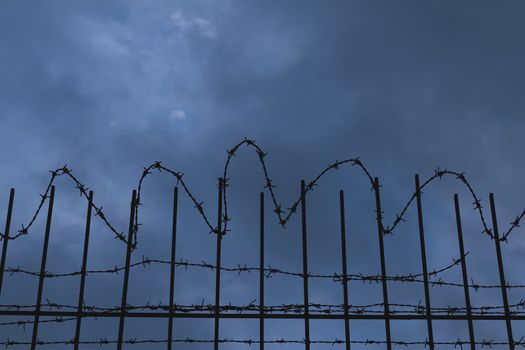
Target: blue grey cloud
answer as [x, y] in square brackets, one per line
[109, 87]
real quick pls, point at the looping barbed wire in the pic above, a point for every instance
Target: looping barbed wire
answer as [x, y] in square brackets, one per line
[83, 189]
[283, 215]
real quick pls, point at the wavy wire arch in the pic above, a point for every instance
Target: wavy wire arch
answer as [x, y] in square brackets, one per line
[282, 215]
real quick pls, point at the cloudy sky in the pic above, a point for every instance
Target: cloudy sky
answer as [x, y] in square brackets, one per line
[108, 87]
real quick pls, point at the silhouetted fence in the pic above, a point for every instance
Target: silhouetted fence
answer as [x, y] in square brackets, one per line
[307, 311]
[304, 311]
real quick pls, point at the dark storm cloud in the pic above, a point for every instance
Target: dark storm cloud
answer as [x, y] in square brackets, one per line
[108, 87]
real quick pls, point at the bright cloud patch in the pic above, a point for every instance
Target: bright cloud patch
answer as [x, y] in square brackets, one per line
[187, 23]
[177, 114]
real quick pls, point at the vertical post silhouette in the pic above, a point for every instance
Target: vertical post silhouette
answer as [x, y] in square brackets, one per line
[124, 298]
[172, 266]
[424, 264]
[83, 271]
[344, 280]
[218, 266]
[501, 272]
[386, 305]
[6, 235]
[261, 271]
[463, 256]
[42, 269]
[305, 270]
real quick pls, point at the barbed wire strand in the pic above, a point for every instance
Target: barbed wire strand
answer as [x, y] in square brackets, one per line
[270, 271]
[133, 341]
[418, 309]
[315, 308]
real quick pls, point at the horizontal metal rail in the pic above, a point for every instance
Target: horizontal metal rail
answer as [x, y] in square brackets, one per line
[256, 315]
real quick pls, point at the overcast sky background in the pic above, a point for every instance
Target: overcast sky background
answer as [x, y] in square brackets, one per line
[108, 87]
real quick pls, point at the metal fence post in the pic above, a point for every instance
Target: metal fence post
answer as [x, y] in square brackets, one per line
[464, 274]
[344, 280]
[386, 305]
[42, 269]
[501, 272]
[305, 269]
[172, 266]
[83, 271]
[261, 271]
[6, 235]
[218, 267]
[123, 304]
[424, 264]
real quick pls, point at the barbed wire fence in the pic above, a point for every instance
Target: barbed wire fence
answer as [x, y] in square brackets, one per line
[306, 310]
